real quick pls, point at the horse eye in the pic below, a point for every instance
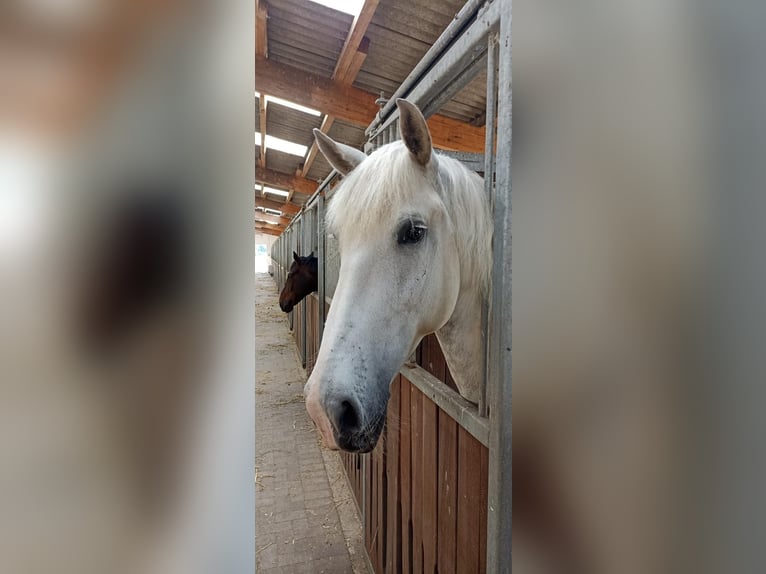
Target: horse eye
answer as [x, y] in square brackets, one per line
[411, 233]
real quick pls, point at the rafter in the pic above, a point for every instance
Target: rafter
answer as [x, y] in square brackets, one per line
[312, 153]
[269, 218]
[268, 230]
[261, 30]
[285, 208]
[353, 105]
[350, 75]
[354, 40]
[262, 114]
[259, 221]
[284, 181]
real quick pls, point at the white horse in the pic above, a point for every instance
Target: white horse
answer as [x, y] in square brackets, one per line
[415, 235]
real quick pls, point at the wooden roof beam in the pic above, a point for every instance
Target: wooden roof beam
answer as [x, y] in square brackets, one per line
[353, 105]
[268, 230]
[350, 75]
[312, 153]
[261, 30]
[269, 218]
[343, 69]
[262, 113]
[288, 182]
[286, 208]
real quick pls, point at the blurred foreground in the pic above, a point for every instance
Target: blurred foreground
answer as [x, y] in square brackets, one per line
[126, 338]
[126, 423]
[638, 295]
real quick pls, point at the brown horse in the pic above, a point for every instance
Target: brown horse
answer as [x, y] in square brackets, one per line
[301, 280]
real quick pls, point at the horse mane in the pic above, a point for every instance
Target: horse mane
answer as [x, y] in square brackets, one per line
[389, 177]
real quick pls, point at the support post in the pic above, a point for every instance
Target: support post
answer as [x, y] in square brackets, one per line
[320, 265]
[499, 518]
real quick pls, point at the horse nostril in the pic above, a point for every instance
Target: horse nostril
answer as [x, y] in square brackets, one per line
[348, 418]
[345, 417]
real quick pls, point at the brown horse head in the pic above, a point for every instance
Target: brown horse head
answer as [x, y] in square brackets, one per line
[301, 280]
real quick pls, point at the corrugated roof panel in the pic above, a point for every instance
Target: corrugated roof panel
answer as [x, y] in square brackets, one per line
[306, 35]
[282, 162]
[400, 34]
[291, 125]
[334, 22]
[469, 104]
[347, 133]
[320, 169]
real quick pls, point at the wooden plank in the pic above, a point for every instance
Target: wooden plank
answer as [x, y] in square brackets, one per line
[285, 181]
[261, 34]
[394, 508]
[425, 355]
[438, 362]
[429, 422]
[353, 105]
[370, 512]
[268, 230]
[484, 480]
[272, 226]
[262, 117]
[380, 534]
[417, 479]
[447, 512]
[468, 502]
[354, 39]
[405, 477]
[465, 413]
[327, 123]
[285, 208]
[274, 219]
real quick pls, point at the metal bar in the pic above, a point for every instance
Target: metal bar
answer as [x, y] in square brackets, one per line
[489, 171]
[322, 186]
[304, 237]
[454, 29]
[449, 73]
[461, 79]
[499, 518]
[473, 161]
[464, 413]
[321, 265]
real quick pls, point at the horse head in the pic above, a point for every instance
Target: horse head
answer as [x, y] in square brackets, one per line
[301, 280]
[400, 276]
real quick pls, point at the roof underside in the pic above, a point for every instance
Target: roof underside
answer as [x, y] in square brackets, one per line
[310, 37]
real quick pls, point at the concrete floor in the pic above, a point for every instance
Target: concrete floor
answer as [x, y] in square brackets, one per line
[306, 519]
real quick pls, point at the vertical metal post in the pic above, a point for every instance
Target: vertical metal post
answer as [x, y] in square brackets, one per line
[293, 247]
[303, 239]
[320, 265]
[489, 172]
[499, 518]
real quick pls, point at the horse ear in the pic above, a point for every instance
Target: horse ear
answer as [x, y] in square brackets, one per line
[296, 258]
[311, 254]
[342, 157]
[414, 130]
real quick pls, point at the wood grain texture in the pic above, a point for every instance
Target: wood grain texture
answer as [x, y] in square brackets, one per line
[468, 500]
[447, 484]
[353, 105]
